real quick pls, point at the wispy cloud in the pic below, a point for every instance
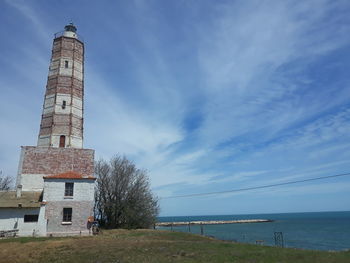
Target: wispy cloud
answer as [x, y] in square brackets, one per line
[24, 8]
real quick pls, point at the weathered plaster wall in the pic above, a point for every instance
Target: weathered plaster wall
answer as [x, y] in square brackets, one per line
[81, 210]
[32, 182]
[81, 203]
[54, 190]
[13, 218]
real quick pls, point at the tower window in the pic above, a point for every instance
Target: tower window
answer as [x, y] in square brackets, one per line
[66, 63]
[64, 103]
[62, 141]
[69, 189]
[67, 214]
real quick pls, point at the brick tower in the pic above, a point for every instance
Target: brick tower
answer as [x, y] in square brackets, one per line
[55, 182]
[62, 117]
[60, 140]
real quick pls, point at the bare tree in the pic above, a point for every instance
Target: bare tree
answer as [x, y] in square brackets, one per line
[5, 182]
[123, 198]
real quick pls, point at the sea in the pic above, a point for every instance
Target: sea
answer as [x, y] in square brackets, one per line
[316, 231]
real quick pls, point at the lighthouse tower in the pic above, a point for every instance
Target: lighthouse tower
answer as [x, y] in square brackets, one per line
[62, 116]
[59, 169]
[60, 140]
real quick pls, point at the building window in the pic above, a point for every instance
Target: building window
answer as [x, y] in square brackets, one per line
[66, 63]
[68, 191]
[67, 215]
[64, 103]
[62, 141]
[30, 218]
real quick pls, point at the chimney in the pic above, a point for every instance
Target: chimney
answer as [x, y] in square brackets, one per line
[19, 191]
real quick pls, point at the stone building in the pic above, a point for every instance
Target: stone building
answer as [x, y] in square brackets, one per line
[55, 183]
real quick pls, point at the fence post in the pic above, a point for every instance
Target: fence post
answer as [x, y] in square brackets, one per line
[202, 231]
[171, 227]
[279, 242]
[189, 227]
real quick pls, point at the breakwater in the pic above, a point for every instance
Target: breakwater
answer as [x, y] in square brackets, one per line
[213, 222]
[317, 230]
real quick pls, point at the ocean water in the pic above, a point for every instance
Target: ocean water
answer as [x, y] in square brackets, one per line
[318, 231]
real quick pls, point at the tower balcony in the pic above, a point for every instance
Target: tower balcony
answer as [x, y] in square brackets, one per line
[69, 31]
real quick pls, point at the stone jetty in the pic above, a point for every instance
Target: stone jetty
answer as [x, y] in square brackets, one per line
[216, 222]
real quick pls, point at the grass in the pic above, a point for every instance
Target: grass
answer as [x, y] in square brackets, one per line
[26, 239]
[119, 246]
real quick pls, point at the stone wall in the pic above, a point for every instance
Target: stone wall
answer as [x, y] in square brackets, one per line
[81, 210]
[81, 203]
[36, 162]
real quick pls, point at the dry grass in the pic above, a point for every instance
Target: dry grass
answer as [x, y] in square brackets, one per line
[119, 246]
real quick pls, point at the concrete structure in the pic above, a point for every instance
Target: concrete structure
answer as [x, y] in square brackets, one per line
[56, 176]
[23, 211]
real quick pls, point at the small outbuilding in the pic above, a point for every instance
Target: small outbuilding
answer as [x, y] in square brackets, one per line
[22, 211]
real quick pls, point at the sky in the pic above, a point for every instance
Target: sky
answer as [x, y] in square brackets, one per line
[206, 96]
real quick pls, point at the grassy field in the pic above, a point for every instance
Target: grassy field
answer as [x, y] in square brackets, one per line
[119, 246]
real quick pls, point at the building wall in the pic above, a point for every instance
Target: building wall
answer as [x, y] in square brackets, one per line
[13, 218]
[81, 210]
[36, 162]
[81, 203]
[53, 104]
[54, 190]
[32, 182]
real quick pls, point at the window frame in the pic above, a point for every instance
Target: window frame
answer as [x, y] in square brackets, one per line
[67, 214]
[68, 189]
[66, 64]
[32, 218]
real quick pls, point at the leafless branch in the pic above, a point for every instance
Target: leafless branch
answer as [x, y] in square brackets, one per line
[5, 182]
[123, 198]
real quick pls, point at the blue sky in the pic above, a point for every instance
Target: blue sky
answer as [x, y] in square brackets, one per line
[204, 95]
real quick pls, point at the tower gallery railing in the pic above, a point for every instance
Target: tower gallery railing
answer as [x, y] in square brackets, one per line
[61, 33]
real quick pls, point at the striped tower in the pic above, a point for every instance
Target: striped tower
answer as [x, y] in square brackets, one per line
[60, 142]
[62, 116]
[58, 168]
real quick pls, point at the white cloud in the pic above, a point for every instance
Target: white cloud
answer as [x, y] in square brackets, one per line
[241, 61]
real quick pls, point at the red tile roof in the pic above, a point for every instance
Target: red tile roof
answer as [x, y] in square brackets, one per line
[69, 175]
